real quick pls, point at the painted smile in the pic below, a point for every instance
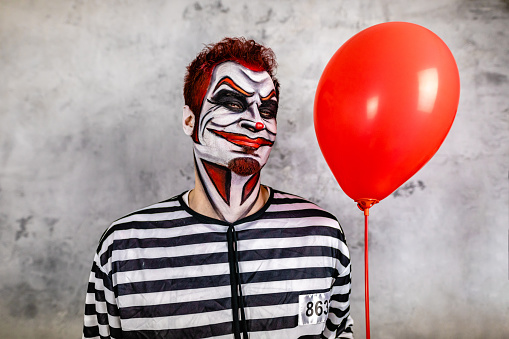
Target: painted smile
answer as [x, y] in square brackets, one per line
[242, 140]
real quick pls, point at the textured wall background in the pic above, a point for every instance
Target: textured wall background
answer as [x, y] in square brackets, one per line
[90, 130]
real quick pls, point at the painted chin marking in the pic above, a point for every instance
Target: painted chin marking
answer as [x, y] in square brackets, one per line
[242, 140]
[244, 166]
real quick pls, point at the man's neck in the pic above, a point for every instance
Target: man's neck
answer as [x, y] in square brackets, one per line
[221, 194]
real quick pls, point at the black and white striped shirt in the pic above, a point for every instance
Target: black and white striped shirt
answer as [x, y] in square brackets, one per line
[165, 271]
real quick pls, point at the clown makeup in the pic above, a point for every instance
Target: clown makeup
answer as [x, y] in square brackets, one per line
[236, 131]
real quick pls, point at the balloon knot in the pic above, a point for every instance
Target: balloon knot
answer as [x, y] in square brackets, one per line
[366, 204]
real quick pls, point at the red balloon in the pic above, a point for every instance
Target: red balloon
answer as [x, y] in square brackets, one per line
[384, 104]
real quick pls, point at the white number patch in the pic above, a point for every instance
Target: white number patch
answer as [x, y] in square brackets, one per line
[313, 308]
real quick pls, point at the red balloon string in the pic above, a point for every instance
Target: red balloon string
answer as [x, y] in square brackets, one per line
[366, 280]
[364, 205]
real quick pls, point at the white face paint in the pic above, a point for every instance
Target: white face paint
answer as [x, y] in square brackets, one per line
[237, 123]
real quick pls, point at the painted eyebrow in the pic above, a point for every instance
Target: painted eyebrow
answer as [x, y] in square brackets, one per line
[229, 82]
[268, 97]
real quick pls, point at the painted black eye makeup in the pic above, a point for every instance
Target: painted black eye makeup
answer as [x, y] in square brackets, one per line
[230, 100]
[268, 109]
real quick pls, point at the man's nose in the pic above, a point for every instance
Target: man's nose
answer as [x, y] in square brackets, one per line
[254, 121]
[252, 126]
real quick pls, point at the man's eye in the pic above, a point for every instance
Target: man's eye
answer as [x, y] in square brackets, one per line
[268, 110]
[234, 106]
[230, 100]
[268, 114]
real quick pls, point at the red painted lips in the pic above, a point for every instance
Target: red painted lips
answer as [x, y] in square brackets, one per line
[242, 140]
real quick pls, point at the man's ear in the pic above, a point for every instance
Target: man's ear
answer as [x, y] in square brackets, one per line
[188, 120]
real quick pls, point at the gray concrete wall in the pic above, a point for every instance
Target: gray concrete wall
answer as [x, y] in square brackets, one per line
[90, 106]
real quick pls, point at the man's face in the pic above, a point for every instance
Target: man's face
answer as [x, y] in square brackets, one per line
[237, 123]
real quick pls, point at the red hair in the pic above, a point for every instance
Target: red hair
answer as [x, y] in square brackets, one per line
[248, 53]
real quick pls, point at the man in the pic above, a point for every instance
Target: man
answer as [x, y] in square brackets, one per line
[231, 258]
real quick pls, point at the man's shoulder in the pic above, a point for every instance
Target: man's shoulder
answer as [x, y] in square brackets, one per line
[165, 206]
[148, 217]
[293, 201]
[303, 212]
